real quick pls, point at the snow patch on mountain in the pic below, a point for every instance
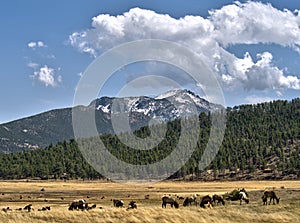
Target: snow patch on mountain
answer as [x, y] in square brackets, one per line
[105, 109]
[167, 106]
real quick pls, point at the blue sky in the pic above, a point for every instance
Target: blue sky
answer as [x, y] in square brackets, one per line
[255, 47]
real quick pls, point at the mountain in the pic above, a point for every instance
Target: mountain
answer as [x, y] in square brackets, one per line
[50, 127]
[166, 107]
[261, 142]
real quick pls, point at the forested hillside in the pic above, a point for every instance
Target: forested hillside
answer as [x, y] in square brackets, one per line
[261, 142]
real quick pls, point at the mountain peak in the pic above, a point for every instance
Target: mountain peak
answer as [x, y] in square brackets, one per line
[173, 92]
[166, 107]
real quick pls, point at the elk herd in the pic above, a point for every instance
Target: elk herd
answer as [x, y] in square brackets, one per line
[207, 201]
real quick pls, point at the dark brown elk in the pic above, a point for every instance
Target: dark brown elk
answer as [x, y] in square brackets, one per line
[28, 207]
[169, 200]
[78, 205]
[45, 208]
[118, 203]
[270, 194]
[206, 201]
[132, 205]
[216, 199]
[189, 200]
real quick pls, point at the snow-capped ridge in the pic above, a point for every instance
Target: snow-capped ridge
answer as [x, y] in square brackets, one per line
[168, 106]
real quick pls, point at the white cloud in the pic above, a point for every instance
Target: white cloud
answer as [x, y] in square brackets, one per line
[109, 31]
[263, 75]
[248, 23]
[40, 44]
[31, 44]
[32, 65]
[36, 44]
[254, 22]
[46, 75]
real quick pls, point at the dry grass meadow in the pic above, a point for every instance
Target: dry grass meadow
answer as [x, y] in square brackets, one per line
[58, 195]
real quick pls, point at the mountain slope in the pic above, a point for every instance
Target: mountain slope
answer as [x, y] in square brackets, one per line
[53, 126]
[36, 131]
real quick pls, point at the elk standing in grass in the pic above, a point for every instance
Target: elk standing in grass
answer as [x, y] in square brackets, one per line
[270, 194]
[118, 203]
[78, 205]
[169, 200]
[206, 202]
[243, 197]
[216, 199]
[189, 200]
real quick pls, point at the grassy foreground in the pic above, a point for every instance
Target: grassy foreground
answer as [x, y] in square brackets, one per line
[58, 195]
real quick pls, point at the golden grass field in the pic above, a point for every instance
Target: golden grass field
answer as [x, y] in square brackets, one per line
[58, 195]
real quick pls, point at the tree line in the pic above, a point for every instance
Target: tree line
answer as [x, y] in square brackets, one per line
[257, 137]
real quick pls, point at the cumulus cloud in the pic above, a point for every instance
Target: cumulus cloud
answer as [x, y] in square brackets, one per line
[254, 22]
[37, 44]
[247, 23]
[263, 75]
[46, 75]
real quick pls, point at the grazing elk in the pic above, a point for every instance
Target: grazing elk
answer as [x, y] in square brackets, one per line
[206, 201]
[132, 205]
[118, 203]
[236, 195]
[270, 194]
[243, 197]
[169, 200]
[189, 200]
[45, 208]
[78, 205]
[216, 199]
[28, 207]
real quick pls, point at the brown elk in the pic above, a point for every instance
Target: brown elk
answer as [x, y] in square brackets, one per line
[216, 199]
[132, 205]
[78, 205]
[169, 200]
[118, 203]
[206, 201]
[189, 200]
[269, 194]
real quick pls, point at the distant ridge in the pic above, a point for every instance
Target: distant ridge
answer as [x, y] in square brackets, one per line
[53, 126]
